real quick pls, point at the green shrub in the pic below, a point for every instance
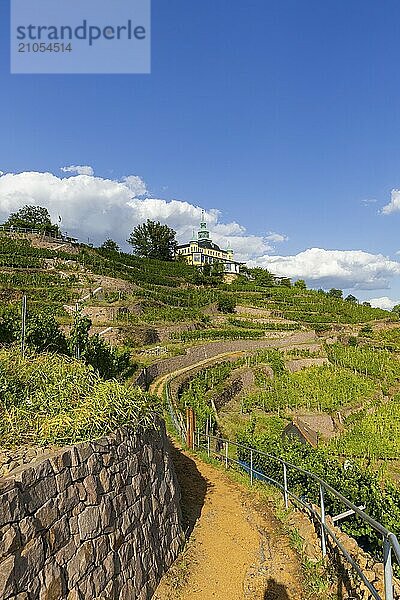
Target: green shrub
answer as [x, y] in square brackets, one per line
[51, 399]
[227, 304]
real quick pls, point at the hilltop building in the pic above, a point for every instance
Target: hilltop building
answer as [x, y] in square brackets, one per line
[201, 250]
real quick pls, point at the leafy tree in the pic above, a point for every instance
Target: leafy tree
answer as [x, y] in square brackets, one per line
[300, 283]
[367, 304]
[43, 334]
[261, 277]
[32, 217]
[351, 298]
[110, 245]
[107, 361]
[396, 310]
[226, 304]
[153, 240]
[285, 282]
[335, 293]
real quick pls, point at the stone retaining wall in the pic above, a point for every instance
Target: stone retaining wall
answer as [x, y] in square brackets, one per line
[98, 520]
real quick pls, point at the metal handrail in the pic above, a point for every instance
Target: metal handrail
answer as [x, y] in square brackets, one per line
[390, 541]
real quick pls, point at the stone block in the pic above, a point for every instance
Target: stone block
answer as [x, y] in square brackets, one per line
[89, 522]
[30, 562]
[38, 494]
[66, 552]
[27, 528]
[108, 514]
[93, 489]
[84, 451]
[10, 540]
[68, 500]
[29, 476]
[63, 480]
[99, 581]
[104, 479]
[61, 461]
[11, 505]
[79, 472]
[58, 535]
[81, 564]
[53, 583]
[47, 514]
[7, 577]
[101, 547]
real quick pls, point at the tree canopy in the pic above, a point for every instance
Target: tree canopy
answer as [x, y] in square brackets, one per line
[335, 293]
[153, 240]
[32, 217]
[110, 245]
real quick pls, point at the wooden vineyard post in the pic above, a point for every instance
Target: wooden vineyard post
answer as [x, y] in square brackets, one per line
[190, 427]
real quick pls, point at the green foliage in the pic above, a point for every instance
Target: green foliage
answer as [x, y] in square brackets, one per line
[335, 293]
[322, 388]
[10, 325]
[396, 310]
[153, 240]
[301, 284]
[194, 395]
[108, 362]
[218, 334]
[110, 245]
[368, 361]
[356, 483]
[51, 399]
[373, 435]
[272, 326]
[32, 217]
[43, 334]
[226, 303]
[261, 277]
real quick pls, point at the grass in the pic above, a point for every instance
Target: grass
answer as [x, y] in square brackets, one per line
[49, 399]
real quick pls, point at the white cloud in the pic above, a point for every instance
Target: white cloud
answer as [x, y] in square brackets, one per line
[136, 185]
[276, 238]
[334, 268]
[78, 170]
[100, 208]
[383, 302]
[394, 204]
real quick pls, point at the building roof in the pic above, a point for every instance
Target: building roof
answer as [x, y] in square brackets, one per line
[203, 244]
[210, 245]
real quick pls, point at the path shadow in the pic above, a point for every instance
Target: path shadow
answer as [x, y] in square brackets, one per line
[193, 488]
[275, 591]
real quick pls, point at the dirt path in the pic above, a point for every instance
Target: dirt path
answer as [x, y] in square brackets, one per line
[235, 551]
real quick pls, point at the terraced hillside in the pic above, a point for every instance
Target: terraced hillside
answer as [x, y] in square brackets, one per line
[146, 302]
[285, 360]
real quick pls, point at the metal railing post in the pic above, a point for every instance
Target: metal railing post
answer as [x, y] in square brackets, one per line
[323, 537]
[285, 486]
[226, 454]
[387, 568]
[251, 467]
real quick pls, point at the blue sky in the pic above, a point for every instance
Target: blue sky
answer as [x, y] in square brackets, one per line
[282, 115]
